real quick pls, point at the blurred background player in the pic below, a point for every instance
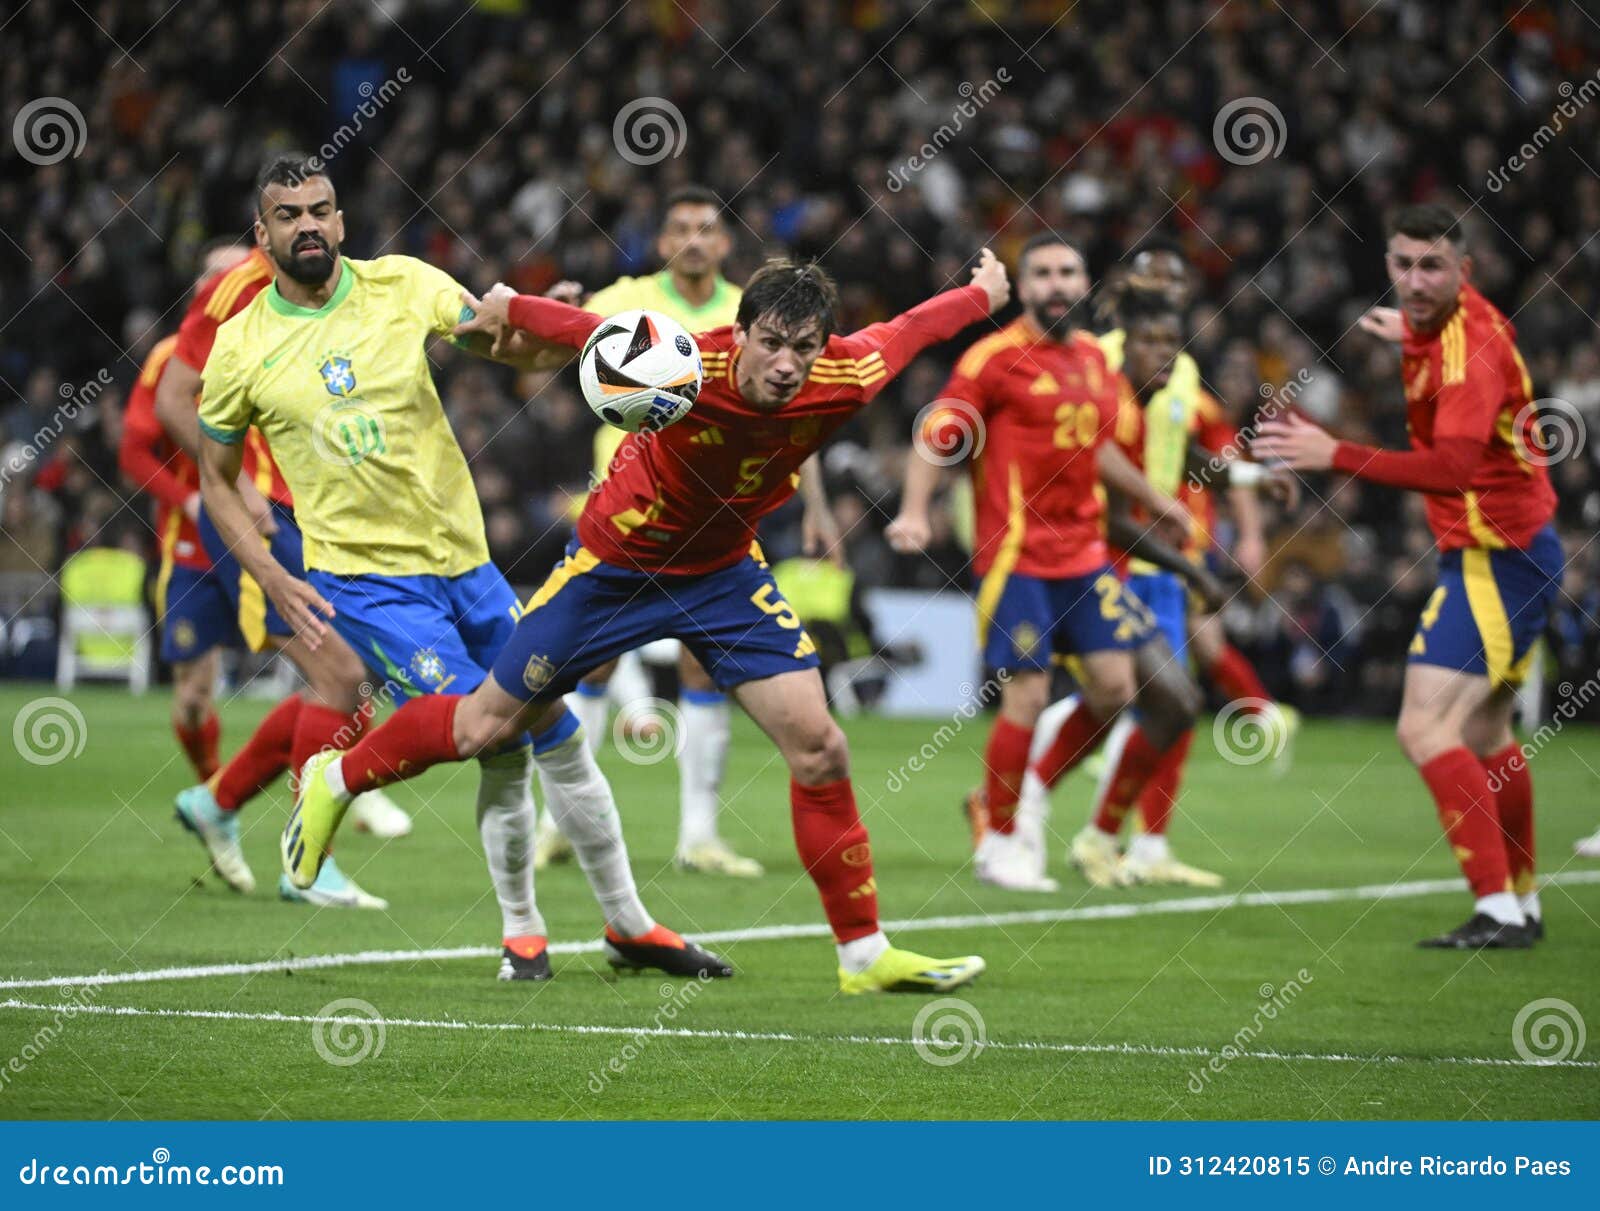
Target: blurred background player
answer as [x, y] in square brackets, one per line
[693, 244]
[1477, 456]
[1157, 426]
[216, 597]
[1042, 398]
[193, 612]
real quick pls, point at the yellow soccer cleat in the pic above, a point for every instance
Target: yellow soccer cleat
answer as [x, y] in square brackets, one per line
[1095, 854]
[715, 858]
[903, 971]
[1167, 870]
[315, 818]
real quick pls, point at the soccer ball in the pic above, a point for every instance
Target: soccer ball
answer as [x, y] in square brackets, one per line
[640, 371]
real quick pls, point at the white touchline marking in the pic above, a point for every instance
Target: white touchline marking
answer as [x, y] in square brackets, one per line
[779, 1036]
[775, 933]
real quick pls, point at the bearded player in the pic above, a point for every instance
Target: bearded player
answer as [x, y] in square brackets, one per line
[693, 245]
[1475, 446]
[1040, 393]
[664, 549]
[208, 599]
[330, 363]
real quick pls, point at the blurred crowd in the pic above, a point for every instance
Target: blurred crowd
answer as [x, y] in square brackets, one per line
[890, 139]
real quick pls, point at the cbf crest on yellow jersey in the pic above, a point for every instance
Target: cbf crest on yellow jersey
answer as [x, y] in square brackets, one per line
[344, 397]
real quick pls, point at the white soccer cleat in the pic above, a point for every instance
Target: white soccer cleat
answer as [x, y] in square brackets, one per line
[218, 831]
[374, 812]
[1165, 870]
[715, 858]
[1010, 862]
[550, 846]
[332, 889]
[1097, 857]
[1588, 847]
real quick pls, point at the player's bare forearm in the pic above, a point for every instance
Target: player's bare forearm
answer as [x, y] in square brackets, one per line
[175, 409]
[1118, 473]
[220, 466]
[1245, 505]
[818, 526]
[911, 529]
[1141, 542]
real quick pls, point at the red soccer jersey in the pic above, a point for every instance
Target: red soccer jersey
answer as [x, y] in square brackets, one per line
[1045, 406]
[686, 500]
[1468, 381]
[150, 459]
[1215, 433]
[221, 297]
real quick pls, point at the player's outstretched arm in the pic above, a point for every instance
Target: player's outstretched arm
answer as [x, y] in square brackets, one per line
[503, 311]
[1446, 467]
[912, 530]
[299, 604]
[486, 333]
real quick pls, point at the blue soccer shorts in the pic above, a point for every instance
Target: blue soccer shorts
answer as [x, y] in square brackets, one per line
[1026, 621]
[1489, 609]
[423, 634]
[1166, 596]
[588, 611]
[257, 617]
[196, 613]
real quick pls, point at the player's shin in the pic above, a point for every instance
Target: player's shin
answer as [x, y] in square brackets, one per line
[505, 822]
[834, 849]
[419, 735]
[199, 743]
[1115, 793]
[580, 799]
[1005, 760]
[265, 755]
[1080, 734]
[1512, 783]
[702, 756]
[1469, 813]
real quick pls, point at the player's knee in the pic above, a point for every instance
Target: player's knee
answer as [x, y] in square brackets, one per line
[1024, 698]
[1421, 736]
[820, 754]
[1109, 696]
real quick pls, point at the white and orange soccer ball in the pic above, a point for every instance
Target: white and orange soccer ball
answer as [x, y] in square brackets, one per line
[640, 371]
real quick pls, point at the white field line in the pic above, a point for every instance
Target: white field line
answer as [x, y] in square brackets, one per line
[771, 933]
[369, 1024]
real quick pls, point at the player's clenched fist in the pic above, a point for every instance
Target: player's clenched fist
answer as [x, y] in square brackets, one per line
[991, 275]
[909, 533]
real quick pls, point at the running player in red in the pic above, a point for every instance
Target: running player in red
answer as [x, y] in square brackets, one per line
[327, 713]
[1041, 397]
[1474, 452]
[663, 549]
[192, 627]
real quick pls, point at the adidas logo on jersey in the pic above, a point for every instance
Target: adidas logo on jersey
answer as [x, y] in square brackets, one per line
[1045, 384]
[710, 437]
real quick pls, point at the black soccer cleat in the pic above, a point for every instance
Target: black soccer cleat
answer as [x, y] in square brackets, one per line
[524, 959]
[665, 951]
[1535, 929]
[1482, 932]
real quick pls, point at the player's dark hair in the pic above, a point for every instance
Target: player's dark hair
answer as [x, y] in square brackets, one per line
[1045, 239]
[1427, 221]
[290, 169]
[691, 195]
[1157, 245]
[1136, 304]
[787, 296]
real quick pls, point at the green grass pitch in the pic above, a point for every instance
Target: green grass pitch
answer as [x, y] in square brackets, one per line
[1088, 1015]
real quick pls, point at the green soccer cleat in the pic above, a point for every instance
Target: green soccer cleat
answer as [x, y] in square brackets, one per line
[316, 816]
[904, 971]
[218, 831]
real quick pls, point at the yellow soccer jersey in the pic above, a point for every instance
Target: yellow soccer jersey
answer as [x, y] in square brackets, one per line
[344, 397]
[657, 293]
